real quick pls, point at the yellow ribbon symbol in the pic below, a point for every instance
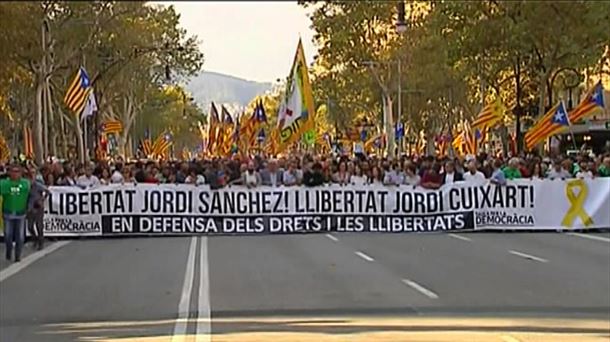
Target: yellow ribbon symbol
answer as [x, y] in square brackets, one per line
[577, 201]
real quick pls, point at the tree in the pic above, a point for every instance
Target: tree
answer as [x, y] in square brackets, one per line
[125, 46]
[455, 56]
[524, 43]
[349, 34]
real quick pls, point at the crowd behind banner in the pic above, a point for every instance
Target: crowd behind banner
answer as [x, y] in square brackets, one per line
[170, 209]
[408, 174]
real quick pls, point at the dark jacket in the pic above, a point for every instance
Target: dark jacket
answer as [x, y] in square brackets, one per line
[211, 176]
[457, 177]
[313, 178]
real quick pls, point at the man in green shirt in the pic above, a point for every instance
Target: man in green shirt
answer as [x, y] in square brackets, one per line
[604, 168]
[14, 191]
[512, 170]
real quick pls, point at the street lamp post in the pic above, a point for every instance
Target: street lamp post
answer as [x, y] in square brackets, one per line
[569, 83]
[401, 27]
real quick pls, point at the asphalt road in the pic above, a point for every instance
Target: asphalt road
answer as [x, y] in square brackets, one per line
[503, 287]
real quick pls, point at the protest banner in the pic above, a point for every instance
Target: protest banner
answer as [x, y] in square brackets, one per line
[125, 210]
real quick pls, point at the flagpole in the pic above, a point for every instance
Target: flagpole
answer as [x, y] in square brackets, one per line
[85, 145]
[569, 125]
[572, 134]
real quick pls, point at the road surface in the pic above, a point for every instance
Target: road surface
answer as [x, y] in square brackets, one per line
[341, 287]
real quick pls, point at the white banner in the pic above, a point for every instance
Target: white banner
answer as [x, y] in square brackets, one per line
[186, 209]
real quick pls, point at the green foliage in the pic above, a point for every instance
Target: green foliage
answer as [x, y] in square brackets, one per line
[171, 108]
[348, 34]
[451, 51]
[124, 46]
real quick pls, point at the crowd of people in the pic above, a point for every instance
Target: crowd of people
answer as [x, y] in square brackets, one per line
[23, 186]
[312, 170]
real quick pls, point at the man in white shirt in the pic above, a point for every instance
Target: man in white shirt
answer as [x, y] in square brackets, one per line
[450, 175]
[291, 176]
[88, 180]
[585, 172]
[117, 175]
[473, 176]
[558, 172]
[392, 177]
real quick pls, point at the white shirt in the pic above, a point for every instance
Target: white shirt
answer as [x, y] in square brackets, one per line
[116, 177]
[449, 177]
[290, 179]
[476, 178]
[391, 178]
[411, 180]
[584, 174]
[250, 178]
[87, 182]
[553, 174]
[358, 180]
[198, 180]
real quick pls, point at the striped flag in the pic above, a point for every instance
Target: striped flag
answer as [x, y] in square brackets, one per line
[161, 144]
[110, 127]
[545, 126]
[548, 125]
[470, 140]
[592, 102]
[490, 116]
[28, 142]
[458, 143]
[259, 117]
[78, 93]
[213, 128]
[224, 134]
[145, 144]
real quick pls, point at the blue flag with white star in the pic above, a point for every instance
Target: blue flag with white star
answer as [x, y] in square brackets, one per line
[560, 116]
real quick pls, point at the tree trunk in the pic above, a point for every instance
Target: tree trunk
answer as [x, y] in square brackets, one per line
[64, 142]
[430, 151]
[14, 139]
[542, 90]
[50, 122]
[39, 146]
[45, 120]
[503, 131]
[79, 139]
[389, 125]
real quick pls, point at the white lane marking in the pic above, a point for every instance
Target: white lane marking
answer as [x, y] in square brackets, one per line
[527, 256]
[508, 338]
[364, 256]
[420, 289]
[203, 309]
[185, 299]
[30, 259]
[459, 237]
[332, 237]
[592, 237]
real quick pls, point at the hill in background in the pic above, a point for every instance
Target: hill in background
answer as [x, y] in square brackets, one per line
[233, 92]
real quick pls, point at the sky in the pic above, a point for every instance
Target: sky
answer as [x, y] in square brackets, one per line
[251, 40]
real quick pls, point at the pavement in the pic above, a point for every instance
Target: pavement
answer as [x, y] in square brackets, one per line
[502, 287]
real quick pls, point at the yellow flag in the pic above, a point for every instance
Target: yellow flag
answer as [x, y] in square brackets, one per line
[296, 113]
